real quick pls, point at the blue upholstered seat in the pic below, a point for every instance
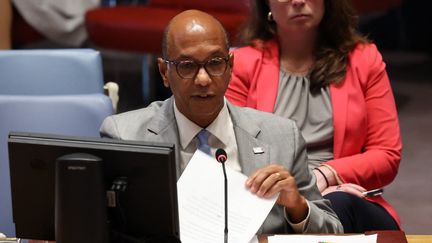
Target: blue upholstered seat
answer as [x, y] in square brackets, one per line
[50, 72]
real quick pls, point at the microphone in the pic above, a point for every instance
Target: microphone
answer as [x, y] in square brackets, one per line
[221, 157]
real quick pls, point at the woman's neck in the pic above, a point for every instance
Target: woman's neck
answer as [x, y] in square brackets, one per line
[296, 54]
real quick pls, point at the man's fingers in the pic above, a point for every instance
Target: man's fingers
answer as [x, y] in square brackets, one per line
[270, 182]
[266, 181]
[255, 181]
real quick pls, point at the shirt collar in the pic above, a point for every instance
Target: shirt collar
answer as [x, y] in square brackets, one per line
[188, 129]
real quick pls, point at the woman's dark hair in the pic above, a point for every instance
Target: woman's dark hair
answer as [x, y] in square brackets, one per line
[337, 37]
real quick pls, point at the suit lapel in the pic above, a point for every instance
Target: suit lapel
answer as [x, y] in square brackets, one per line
[163, 128]
[249, 145]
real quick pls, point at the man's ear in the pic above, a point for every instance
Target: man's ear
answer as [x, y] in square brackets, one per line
[163, 71]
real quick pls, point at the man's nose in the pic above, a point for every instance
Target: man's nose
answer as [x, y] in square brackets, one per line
[202, 78]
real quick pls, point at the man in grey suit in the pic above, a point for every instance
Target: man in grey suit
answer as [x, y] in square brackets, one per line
[197, 66]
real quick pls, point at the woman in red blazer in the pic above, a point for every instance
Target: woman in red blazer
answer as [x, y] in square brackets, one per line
[315, 42]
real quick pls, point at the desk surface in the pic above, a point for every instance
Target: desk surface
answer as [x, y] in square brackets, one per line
[383, 237]
[419, 238]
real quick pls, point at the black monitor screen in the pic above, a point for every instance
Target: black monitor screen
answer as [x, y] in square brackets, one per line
[139, 181]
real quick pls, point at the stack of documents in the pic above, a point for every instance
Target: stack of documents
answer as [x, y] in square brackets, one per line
[201, 203]
[323, 238]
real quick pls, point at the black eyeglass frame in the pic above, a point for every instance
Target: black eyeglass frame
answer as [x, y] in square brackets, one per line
[199, 66]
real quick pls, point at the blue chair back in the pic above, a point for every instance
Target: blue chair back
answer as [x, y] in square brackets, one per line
[50, 72]
[76, 115]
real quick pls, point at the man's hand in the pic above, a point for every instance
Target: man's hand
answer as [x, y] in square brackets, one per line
[268, 181]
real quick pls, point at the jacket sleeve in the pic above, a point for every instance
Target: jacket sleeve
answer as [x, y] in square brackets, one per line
[322, 218]
[109, 129]
[376, 161]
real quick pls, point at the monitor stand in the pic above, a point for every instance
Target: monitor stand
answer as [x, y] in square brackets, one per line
[80, 200]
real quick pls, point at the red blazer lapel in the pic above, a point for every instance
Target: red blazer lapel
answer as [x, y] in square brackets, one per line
[270, 73]
[339, 98]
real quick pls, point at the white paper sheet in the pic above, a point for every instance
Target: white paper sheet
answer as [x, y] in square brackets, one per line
[323, 238]
[201, 204]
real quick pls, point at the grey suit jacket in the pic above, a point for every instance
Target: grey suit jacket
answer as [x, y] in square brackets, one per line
[279, 138]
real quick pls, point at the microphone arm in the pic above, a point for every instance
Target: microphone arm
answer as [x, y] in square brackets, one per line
[226, 204]
[221, 156]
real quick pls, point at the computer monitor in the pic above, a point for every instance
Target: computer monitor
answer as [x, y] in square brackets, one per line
[139, 180]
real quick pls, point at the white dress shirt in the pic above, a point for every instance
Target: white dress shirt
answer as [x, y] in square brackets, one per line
[221, 135]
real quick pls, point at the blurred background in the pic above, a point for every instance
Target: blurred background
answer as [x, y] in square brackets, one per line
[127, 33]
[403, 33]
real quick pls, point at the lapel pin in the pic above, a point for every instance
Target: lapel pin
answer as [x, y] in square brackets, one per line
[258, 150]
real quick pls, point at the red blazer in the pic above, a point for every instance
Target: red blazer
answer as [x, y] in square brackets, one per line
[367, 144]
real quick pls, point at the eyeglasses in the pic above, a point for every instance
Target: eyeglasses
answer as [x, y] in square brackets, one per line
[188, 69]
